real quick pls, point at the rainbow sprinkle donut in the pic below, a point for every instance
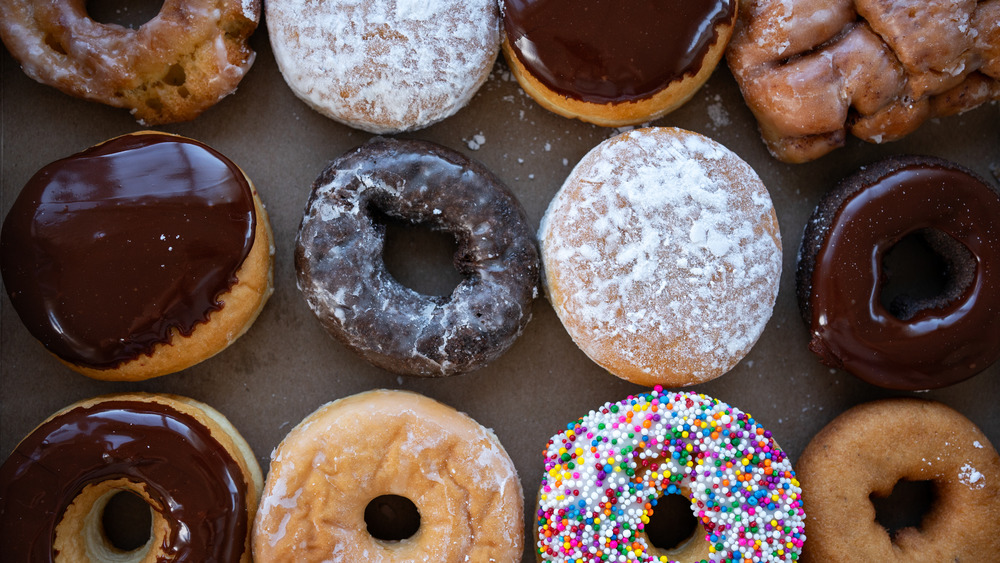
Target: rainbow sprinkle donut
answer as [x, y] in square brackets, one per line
[605, 472]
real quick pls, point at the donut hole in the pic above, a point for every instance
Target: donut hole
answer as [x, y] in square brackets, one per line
[672, 524]
[392, 518]
[126, 13]
[127, 521]
[418, 257]
[926, 269]
[905, 507]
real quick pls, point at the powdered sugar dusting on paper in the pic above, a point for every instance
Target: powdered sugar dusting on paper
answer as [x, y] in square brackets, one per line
[665, 257]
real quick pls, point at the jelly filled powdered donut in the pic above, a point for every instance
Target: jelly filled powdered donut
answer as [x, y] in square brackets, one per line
[138, 257]
[388, 476]
[866, 451]
[183, 458]
[344, 279]
[178, 64]
[606, 473]
[914, 342]
[610, 63]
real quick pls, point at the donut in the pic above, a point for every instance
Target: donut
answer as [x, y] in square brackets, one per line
[813, 71]
[138, 257]
[614, 65]
[661, 256]
[384, 67]
[341, 273]
[605, 474]
[172, 68]
[182, 457]
[867, 450]
[914, 342]
[339, 478]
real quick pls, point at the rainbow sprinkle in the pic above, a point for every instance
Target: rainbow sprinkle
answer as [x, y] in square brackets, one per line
[604, 474]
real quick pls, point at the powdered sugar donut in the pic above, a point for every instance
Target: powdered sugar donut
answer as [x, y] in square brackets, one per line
[385, 67]
[662, 255]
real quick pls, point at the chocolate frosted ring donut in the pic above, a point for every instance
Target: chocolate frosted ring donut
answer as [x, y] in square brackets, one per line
[344, 279]
[913, 344]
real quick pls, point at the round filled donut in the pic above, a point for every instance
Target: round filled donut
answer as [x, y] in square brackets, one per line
[919, 340]
[344, 279]
[612, 64]
[607, 472]
[384, 67]
[867, 450]
[175, 66]
[661, 256]
[387, 476]
[183, 458]
[138, 257]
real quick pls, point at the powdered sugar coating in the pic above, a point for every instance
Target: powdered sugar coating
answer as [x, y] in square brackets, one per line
[662, 256]
[384, 67]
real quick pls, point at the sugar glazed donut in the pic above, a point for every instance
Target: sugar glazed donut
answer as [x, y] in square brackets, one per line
[662, 255]
[911, 343]
[182, 457]
[613, 64]
[353, 455]
[172, 68]
[605, 473]
[812, 71]
[384, 66]
[343, 277]
[879, 444]
[138, 257]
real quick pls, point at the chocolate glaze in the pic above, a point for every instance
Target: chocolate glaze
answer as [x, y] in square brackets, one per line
[604, 51]
[198, 486]
[943, 342]
[104, 252]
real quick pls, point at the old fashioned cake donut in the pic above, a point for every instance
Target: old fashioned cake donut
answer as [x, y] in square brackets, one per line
[175, 66]
[613, 64]
[389, 476]
[344, 279]
[915, 342]
[812, 71]
[183, 458]
[661, 256]
[384, 67]
[605, 474]
[138, 257]
[867, 450]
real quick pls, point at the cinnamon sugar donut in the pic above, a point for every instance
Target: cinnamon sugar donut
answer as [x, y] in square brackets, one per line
[866, 451]
[175, 66]
[812, 71]
[661, 256]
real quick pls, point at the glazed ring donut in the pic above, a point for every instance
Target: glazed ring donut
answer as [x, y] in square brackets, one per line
[356, 454]
[172, 68]
[812, 71]
[605, 473]
[341, 273]
[910, 344]
[867, 450]
[124, 278]
[182, 457]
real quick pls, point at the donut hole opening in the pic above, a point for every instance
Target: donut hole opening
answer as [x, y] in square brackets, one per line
[905, 507]
[127, 521]
[418, 257]
[392, 518]
[126, 13]
[926, 269]
[672, 524]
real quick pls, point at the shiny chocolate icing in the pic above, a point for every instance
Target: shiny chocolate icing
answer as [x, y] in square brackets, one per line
[106, 251]
[604, 51]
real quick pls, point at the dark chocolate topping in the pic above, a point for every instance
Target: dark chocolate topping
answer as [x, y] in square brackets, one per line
[199, 487]
[604, 51]
[104, 252]
[937, 345]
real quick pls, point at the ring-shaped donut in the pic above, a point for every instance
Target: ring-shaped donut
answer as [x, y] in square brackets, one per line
[605, 473]
[866, 450]
[178, 64]
[841, 275]
[344, 279]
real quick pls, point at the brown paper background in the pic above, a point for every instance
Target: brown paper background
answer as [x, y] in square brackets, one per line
[286, 365]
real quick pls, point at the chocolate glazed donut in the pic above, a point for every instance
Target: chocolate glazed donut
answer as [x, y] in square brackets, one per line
[344, 279]
[920, 344]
